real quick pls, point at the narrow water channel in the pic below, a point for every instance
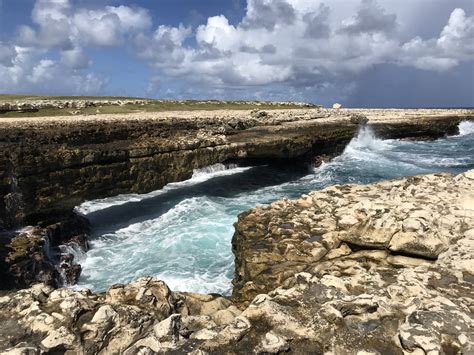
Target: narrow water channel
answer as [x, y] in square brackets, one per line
[182, 233]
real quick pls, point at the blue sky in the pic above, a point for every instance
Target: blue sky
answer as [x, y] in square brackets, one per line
[370, 53]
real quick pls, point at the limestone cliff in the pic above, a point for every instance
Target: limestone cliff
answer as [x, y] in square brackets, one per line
[48, 165]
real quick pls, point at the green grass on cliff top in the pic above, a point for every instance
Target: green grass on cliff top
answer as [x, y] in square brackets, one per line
[153, 106]
[22, 97]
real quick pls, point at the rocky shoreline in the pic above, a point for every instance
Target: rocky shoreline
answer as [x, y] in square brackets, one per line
[384, 268]
[302, 267]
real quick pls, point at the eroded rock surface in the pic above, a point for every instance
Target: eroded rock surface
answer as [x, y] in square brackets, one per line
[415, 217]
[329, 273]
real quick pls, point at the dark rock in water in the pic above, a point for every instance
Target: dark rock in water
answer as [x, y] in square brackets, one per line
[34, 255]
[323, 158]
[71, 272]
[25, 261]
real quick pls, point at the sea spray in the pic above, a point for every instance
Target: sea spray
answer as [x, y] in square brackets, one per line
[466, 128]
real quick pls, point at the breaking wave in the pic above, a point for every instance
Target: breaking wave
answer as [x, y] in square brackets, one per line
[466, 128]
[199, 175]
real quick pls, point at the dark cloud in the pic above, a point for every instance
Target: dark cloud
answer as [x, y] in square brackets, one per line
[267, 14]
[370, 18]
[269, 49]
[393, 86]
[318, 23]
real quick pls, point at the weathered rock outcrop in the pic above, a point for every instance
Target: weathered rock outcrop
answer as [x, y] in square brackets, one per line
[35, 104]
[144, 314]
[385, 268]
[416, 217]
[49, 165]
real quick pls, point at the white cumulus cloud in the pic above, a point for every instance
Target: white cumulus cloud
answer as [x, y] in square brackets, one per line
[26, 63]
[279, 48]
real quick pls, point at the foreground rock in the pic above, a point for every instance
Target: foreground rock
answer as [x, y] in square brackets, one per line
[378, 269]
[142, 315]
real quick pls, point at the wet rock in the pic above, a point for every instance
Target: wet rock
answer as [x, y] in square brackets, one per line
[42, 255]
[26, 260]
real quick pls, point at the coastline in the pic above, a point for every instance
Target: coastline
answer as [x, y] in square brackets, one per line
[62, 148]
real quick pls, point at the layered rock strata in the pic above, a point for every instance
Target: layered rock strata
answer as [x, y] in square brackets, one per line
[49, 165]
[385, 268]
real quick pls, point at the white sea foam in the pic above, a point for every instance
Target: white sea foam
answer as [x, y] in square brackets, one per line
[466, 127]
[199, 175]
[366, 139]
[187, 247]
[213, 170]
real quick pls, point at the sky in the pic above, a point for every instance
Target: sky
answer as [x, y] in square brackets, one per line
[361, 53]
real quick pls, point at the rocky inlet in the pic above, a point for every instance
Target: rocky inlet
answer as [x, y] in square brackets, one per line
[352, 269]
[384, 268]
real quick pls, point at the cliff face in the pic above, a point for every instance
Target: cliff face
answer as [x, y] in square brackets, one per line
[385, 268]
[50, 165]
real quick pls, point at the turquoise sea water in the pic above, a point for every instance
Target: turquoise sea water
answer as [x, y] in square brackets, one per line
[182, 234]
